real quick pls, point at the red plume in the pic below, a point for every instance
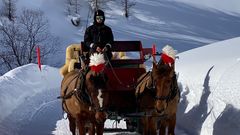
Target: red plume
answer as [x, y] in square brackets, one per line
[166, 59]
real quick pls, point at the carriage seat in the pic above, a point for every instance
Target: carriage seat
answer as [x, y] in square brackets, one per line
[72, 58]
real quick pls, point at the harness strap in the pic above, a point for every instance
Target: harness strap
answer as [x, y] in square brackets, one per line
[70, 94]
[172, 94]
[142, 78]
[116, 77]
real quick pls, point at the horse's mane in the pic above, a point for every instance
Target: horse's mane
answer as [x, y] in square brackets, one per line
[161, 69]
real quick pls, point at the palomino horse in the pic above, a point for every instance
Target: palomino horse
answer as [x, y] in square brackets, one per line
[83, 102]
[167, 95]
[158, 97]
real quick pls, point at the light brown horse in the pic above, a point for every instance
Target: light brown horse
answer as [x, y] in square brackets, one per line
[159, 100]
[167, 95]
[83, 102]
[146, 105]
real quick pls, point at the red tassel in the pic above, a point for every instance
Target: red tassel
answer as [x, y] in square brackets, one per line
[154, 52]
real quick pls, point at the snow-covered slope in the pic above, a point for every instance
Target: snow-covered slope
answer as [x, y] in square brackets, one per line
[24, 82]
[209, 77]
[184, 25]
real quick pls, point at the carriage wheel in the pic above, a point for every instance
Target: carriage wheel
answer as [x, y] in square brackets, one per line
[132, 124]
[139, 128]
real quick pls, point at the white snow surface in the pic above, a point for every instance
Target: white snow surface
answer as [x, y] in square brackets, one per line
[184, 24]
[208, 76]
[209, 79]
[18, 85]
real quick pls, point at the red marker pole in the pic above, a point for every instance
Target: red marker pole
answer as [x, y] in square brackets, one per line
[39, 58]
[154, 51]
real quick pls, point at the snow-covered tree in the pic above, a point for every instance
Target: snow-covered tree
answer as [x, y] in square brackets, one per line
[73, 7]
[98, 4]
[9, 9]
[18, 39]
[127, 5]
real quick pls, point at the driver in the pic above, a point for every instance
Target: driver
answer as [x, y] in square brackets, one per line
[99, 37]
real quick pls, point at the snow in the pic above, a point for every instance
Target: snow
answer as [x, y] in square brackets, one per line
[208, 76]
[227, 6]
[184, 24]
[19, 84]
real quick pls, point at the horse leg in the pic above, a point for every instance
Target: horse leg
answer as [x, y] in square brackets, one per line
[100, 128]
[171, 126]
[72, 124]
[152, 130]
[81, 126]
[162, 128]
[145, 125]
[91, 129]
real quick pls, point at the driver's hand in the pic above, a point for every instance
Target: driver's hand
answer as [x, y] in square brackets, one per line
[105, 49]
[99, 50]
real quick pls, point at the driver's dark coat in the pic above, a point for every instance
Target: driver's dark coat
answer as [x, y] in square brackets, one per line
[100, 35]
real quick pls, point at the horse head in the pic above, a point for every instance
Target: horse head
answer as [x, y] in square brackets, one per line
[96, 83]
[162, 76]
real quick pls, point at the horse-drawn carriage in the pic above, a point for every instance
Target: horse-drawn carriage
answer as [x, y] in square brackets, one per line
[119, 98]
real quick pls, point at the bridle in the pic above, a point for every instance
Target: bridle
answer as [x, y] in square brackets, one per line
[172, 92]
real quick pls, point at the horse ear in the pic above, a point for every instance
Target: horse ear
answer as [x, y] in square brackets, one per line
[154, 65]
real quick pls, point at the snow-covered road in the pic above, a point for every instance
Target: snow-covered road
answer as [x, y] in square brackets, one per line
[39, 114]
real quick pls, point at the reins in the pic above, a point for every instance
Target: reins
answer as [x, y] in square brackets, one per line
[65, 90]
[115, 75]
[69, 95]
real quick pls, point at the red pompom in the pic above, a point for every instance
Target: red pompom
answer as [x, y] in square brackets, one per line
[97, 68]
[166, 59]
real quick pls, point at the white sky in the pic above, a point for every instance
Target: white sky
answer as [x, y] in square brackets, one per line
[152, 25]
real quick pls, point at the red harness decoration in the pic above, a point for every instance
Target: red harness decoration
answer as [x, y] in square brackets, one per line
[166, 59]
[97, 68]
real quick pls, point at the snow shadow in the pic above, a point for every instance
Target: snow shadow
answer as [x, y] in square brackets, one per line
[228, 122]
[37, 115]
[183, 26]
[193, 120]
[187, 19]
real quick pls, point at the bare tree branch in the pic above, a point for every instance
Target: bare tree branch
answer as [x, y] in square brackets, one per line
[73, 7]
[18, 39]
[127, 5]
[9, 9]
[98, 4]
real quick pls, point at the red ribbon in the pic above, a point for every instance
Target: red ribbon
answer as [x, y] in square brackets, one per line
[97, 68]
[166, 59]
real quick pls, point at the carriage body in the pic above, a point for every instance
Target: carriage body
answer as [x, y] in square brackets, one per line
[122, 77]
[122, 74]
